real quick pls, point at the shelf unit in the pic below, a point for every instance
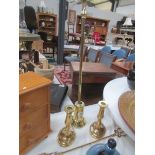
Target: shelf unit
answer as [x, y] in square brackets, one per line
[50, 23]
[100, 25]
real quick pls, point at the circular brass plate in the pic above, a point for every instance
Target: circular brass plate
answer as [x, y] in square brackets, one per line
[126, 105]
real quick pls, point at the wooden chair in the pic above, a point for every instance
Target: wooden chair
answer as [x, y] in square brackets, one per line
[131, 57]
[127, 50]
[68, 59]
[106, 49]
[107, 59]
[92, 55]
[120, 54]
[49, 44]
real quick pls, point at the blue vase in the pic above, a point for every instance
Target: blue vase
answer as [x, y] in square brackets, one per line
[104, 149]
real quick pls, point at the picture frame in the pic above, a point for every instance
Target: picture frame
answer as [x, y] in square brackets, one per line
[72, 17]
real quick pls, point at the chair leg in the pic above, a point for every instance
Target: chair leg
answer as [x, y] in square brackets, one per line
[53, 51]
[64, 66]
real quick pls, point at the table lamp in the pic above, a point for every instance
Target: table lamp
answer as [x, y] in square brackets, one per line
[128, 22]
[42, 5]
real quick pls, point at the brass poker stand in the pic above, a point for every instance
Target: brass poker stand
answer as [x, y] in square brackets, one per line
[74, 115]
[78, 119]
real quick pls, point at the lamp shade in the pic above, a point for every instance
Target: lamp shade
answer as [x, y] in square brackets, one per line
[128, 22]
[42, 4]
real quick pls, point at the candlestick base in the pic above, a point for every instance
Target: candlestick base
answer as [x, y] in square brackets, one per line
[97, 131]
[66, 138]
[79, 123]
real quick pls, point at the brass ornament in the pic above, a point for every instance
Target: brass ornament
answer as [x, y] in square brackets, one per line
[97, 129]
[66, 135]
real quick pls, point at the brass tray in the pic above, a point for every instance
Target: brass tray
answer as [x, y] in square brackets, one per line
[126, 105]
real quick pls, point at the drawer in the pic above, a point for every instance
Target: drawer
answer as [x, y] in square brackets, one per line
[30, 139]
[34, 120]
[30, 101]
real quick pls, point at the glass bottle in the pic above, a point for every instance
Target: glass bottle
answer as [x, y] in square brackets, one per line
[104, 149]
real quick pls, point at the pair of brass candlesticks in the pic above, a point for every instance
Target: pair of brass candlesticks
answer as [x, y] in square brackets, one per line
[74, 117]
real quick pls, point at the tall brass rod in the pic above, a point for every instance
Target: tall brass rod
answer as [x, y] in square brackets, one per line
[117, 133]
[83, 18]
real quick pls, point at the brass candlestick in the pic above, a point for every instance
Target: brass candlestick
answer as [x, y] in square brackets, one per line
[97, 129]
[67, 135]
[78, 120]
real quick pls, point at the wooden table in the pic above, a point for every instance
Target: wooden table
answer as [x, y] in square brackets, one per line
[122, 66]
[92, 73]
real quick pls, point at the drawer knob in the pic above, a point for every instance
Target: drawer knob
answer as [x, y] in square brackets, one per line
[27, 126]
[26, 106]
[31, 140]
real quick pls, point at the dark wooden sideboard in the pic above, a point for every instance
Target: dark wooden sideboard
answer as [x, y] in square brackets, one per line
[92, 73]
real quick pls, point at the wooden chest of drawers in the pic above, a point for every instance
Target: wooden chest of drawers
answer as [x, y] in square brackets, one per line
[34, 110]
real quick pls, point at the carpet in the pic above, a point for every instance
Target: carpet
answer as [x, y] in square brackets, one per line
[64, 77]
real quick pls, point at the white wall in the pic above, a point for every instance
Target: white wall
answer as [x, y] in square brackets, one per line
[126, 10]
[52, 5]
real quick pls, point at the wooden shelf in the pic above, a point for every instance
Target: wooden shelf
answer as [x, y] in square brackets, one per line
[47, 27]
[94, 18]
[46, 18]
[96, 23]
[46, 14]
